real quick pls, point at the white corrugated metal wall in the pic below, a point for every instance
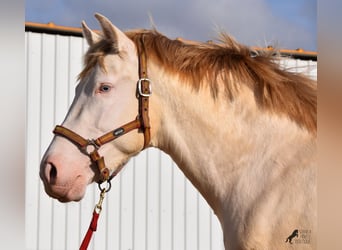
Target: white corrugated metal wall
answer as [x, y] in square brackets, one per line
[151, 205]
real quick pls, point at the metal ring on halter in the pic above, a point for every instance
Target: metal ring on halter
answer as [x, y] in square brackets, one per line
[91, 146]
[107, 188]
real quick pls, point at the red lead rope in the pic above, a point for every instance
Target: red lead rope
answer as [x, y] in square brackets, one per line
[93, 224]
[91, 229]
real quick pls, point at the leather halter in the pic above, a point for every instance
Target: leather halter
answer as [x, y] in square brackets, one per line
[142, 123]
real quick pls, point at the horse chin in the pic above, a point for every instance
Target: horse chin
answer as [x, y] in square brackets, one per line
[70, 198]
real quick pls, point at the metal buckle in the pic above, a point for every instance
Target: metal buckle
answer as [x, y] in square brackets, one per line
[140, 88]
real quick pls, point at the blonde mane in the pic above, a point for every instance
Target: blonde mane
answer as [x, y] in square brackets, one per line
[275, 90]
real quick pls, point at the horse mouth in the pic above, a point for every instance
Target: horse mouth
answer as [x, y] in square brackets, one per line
[72, 191]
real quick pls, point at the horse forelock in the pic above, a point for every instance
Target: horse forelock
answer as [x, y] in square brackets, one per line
[226, 63]
[95, 56]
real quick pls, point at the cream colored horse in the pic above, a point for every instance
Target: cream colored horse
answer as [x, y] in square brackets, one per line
[242, 130]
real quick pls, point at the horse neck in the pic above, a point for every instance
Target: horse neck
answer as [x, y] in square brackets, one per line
[215, 141]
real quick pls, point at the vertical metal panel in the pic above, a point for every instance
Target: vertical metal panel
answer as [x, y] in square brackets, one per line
[308, 68]
[151, 205]
[33, 138]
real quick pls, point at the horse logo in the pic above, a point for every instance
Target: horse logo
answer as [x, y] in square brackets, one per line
[294, 234]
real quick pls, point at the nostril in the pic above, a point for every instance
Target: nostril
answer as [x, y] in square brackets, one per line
[53, 172]
[50, 173]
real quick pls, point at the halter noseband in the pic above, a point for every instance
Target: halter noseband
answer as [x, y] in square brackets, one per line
[142, 122]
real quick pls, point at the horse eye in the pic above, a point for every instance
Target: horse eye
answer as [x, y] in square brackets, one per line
[105, 88]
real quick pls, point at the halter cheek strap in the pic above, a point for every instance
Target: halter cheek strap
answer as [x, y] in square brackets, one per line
[142, 123]
[144, 92]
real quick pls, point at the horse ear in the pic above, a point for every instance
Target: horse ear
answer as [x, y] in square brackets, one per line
[111, 33]
[89, 35]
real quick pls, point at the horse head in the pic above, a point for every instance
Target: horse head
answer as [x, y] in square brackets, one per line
[106, 97]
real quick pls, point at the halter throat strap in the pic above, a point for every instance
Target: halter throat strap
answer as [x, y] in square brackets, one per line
[142, 123]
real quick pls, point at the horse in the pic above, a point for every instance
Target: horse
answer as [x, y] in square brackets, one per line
[241, 128]
[291, 236]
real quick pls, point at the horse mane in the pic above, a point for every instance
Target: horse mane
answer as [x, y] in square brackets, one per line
[275, 89]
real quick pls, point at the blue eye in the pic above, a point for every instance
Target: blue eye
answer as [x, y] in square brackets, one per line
[105, 88]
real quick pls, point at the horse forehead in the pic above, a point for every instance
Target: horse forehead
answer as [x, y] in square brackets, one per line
[120, 63]
[112, 62]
